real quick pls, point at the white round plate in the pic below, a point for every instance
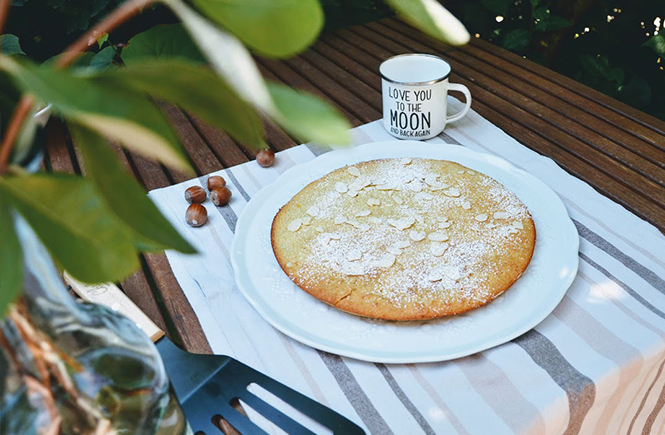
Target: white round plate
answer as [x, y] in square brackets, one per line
[310, 321]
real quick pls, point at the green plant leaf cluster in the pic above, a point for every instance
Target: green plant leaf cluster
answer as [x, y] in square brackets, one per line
[9, 44]
[96, 225]
[614, 46]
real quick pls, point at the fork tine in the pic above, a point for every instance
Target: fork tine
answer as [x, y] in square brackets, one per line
[243, 374]
[200, 418]
[283, 421]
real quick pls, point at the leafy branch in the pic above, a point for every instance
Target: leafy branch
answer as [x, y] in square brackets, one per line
[94, 226]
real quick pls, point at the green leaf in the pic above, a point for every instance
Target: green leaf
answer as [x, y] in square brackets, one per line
[161, 41]
[235, 65]
[74, 224]
[229, 58]
[118, 112]
[498, 6]
[10, 45]
[516, 39]
[279, 28]
[102, 39]
[600, 67]
[308, 117]
[198, 90]
[433, 19]
[11, 258]
[124, 196]
[637, 92]
[657, 44]
[102, 60]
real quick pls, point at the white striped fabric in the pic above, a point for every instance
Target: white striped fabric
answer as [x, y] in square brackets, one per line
[596, 365]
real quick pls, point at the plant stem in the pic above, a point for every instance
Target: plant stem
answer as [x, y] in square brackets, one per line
[4, 10]
[113, 20]
[20, 113]
[108, 24]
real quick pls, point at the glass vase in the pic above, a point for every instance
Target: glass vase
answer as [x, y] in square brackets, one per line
[76, 368]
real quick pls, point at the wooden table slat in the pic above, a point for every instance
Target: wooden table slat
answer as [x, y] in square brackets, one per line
[284, 74]
[646, 121]
[348, 81]
[578, 137]
[343, 61]
[624, 191]
[343, 97]
[616, 149]
[569, 104]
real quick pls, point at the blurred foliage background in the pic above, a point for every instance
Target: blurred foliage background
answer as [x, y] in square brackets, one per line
[613, 46]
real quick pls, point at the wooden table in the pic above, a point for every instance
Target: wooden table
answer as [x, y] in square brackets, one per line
[618, 150]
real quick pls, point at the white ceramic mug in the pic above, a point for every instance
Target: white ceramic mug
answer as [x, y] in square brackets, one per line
[415, 95]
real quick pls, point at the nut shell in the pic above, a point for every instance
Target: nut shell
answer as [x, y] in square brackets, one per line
[195, 194]
[196, 215]
[265, 158]
[215, 181]
[220, 196]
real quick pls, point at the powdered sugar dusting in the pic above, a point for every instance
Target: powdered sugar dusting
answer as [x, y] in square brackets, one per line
[396, 251]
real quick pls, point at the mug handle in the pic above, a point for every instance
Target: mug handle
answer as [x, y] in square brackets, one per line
[463, 89]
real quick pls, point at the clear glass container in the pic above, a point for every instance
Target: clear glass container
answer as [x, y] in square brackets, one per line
[80, 368]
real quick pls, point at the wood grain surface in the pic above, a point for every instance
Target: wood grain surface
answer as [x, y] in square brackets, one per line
[617, 149]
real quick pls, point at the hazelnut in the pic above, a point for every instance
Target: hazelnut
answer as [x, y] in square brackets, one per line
[196, 215]
[220, 196]
[265, 158]
[195, 194]
[215, 181]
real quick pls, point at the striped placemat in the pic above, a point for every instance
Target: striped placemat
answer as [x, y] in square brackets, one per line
[594, 366]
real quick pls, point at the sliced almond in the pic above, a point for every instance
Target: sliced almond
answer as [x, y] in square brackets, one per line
[353, 269]
[518, 225]
[434, 277]
[432, 180]
[313, 211]
[438, 236]
[453, 191]
[307, 219]
[341, 187]
[415, 186]
[417, 236]
[398, 199]
[363, 227]
[490, 225]
[352, 193]
[340, 219]
[501, 215]
[373, 201]
[354, 255]
[438, 249]
[294, 225]
[424, 196]
[401, 244]
[452, 273]
[444, 225]
[325, 238]
[319, 229]
[335, 236]
[393, 250]
[289, 264]
[419, 218]
[387, 260]
[406, 161]
[466, 205]
[363, 213]
[353, 171]
[482, 217]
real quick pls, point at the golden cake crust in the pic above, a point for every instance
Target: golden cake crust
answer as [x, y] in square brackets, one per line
[404, 239]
